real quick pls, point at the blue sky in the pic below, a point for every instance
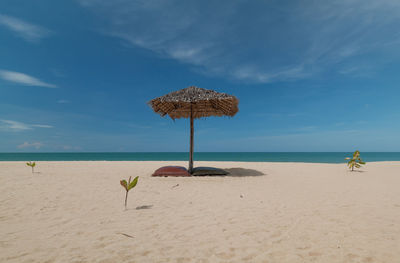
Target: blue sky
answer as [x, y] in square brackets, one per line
[310, 75]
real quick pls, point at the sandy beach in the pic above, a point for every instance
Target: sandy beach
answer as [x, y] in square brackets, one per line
[262, 212]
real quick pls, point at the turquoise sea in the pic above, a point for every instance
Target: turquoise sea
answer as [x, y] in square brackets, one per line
[307, 157]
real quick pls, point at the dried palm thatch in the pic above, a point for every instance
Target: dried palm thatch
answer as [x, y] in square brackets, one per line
[195, 102]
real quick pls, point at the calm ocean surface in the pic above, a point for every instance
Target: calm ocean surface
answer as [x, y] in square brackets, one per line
[308, 157]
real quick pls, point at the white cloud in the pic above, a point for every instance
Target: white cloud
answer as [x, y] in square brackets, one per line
[27, 31]
[15, 125]
[254, 74]
[10, 125]
[255, 41]
[42, 126]
[36, 145]
[23, 79]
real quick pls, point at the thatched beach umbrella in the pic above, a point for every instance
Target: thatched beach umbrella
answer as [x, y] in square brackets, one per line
[193, 103]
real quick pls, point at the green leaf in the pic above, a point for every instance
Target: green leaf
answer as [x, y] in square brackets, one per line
[33, 164]
[124, 184]
[133, 183]
[28, 164]
[361, 162]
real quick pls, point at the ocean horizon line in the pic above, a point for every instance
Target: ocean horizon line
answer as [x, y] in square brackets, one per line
[199, 152]
[306, 157]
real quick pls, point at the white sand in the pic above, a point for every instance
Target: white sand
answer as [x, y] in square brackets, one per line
[74, 212]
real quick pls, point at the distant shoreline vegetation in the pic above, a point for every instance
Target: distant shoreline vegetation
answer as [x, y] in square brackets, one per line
[305, 157]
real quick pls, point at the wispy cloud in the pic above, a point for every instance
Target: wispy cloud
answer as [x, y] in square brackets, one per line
[23, 79]
[17, 126]
[36, 145]
[256, 41]
[28, 31]
[41, 126]
[14, 125]
[63, 101]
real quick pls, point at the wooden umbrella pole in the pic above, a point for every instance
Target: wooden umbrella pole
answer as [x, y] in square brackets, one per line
[191, 139]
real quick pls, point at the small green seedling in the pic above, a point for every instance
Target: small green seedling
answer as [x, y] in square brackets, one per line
[32, 165]
[355, 161]
[128, 186]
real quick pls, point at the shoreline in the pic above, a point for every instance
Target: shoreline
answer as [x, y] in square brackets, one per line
[284, 157]
[168, 161]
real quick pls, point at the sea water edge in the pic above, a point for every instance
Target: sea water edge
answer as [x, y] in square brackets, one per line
[306, 157]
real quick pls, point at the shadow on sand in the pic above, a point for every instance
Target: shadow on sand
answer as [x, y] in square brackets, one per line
[241, 172]
[237, 172]
[144, 207]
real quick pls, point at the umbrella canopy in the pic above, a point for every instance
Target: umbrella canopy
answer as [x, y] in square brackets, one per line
[194, 102]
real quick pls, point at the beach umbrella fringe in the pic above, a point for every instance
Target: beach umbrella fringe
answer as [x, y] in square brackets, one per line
[204, 103]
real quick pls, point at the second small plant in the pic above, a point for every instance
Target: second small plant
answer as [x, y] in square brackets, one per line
[128, 186]
[32, 165]
[355, 161]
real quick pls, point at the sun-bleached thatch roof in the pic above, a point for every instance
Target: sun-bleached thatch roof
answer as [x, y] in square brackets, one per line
[202, 103]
